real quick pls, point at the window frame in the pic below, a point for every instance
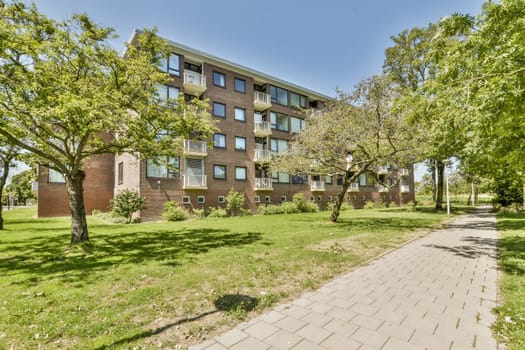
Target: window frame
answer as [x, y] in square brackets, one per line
[221, 199]
[186, 200]
[235, 80]
[275, 95]
[201, 199]
[245, 173]
[223, 137]
[120, 173]
[170, 174]
[219, 104]
[243, 110]
[225, 172]
[216, 73]
[235, 143]
[56, 178]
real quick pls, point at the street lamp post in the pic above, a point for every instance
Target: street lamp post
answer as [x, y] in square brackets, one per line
[447, 162]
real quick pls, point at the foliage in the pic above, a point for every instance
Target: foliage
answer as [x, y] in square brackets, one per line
[21, 185]
[298, 205]
[8, 154]
[174, 212]
[217, 212]
[198, 213]
[126, 203]
[304, 205]
[234, 202]
[507, 189]
[369, 205]
[67, 96]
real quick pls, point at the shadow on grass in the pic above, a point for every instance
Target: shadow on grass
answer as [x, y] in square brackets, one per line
[512, 245]
[382, 224]
[44, 257]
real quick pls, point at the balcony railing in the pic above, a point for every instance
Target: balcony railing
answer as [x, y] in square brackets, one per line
[403, 172]
[261, 101]
[404, 188]
[354, 187]
[262, 129]
[195, 148]
[317, 186]
[381, 188]
[194, 83]
[196, 182]
[263, 184]
[383, 169]
[262, 155]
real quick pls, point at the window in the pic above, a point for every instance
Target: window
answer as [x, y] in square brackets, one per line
[54, 176]
[370, 180]
[257, 199]
[298, 101]
[120, 173]
[219, 79]
[219, 140]
[330, 198]
[279, 121]
[296, 124]
[340, 180]
[278, 145]
[240, 85]
[166, 93]
[219, 172]
[240, 143]
[281, 177]
[221, 199]
[299, 179]
[240, 114]
[267, 199]
[279, 95]
[201, 199]
[186, 200]
[329, 180]
[171, 64]
[219, 109]
[283, 198]
[362, 180]
[319, 198]
[163, 167]
[240, 173]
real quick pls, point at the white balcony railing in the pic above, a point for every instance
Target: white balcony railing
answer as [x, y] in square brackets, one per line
[263, 184]
[261, 100]
[317, 186]
[404, 188]
[262, 129]
[403, 172]
[383, 169]
[354, 187]
[194, 83]
[195, 148]
[195, 182]
[262, 155]
[381, 188]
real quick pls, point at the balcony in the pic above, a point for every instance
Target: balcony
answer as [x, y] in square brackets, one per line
[194, 83]
[262, 155]
[404, 188]
[195, 148]
[261, 101]
[263, 184]
[195, 182]
[354, 187]
[317, 186]
[382, 189]
[262, 129]
[383, 169]
[403, 172]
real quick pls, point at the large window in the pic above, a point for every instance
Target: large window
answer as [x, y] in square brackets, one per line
[166, 93]
[120, 174]
[279, 121]
[362, 180]
[296, 124]
[299, 179]
[240, 173]
[219, 79]
[163, 167]
[240, 85]
[219, 140]
[281, 177]
[278, 145]
[171, 64]
[279, 95]
[54, 176]
[240, 143]
[219, 110]
[219, 172]
[240, 114]
[298, 101]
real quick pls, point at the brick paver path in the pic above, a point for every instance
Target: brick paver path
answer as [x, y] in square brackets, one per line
[436, 292]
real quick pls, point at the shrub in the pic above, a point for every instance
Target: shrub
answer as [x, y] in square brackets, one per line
[369, 205]
[234, 202]
[304, 205]
[126, 203]
[174, 212]
[289, 208]
[198, 213]
[217, 212]
[270, 209]
[410, 206]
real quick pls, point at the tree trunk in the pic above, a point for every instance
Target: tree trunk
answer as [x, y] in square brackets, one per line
[340, 198]
[433, 179]
[439, 188]
[3, 180]
[75, 192]
[473, 194]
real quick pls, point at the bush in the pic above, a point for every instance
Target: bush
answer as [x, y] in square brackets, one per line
[234, 202]
[270, 209]
[304, 205]
[126, 203]
[369, 205]
[411, 206]
[198, 213]
[217, 213]
[289, 208]
[174, 212]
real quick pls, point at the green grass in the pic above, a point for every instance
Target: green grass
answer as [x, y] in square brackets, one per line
[162, 284]
[510, 324]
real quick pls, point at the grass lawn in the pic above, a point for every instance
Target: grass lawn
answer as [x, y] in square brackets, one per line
[162, 284]
[510, 325]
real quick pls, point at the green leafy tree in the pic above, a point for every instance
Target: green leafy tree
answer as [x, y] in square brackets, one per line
[235, 202]
[7, 156]
[21, 185]
[356, 134]
[66, 96]
[126, 203]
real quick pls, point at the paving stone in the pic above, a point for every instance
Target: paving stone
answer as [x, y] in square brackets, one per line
[261, 330]
[290, 324]
[369, 337]
[340, 327]
[250, 343]
[313, 333]
[338, 342]
[231, 337]
[283, 340]
[317, 319]
[396, 344]
[307, 345]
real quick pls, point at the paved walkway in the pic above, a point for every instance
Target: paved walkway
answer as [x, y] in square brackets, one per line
[436, 292]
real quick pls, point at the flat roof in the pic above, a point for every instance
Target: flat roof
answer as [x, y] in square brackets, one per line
[258, 76]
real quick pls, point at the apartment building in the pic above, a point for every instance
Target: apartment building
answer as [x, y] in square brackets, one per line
[257, 115]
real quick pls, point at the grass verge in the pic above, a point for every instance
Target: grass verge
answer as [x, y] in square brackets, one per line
[510, 323]
[168, 284]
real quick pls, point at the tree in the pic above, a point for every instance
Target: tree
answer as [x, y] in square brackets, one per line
[356, 134]
[126, 203]
[67, 96]
[21, 185]
[7, 156]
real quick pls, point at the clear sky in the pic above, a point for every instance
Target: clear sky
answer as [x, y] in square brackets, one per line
[320, 44]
